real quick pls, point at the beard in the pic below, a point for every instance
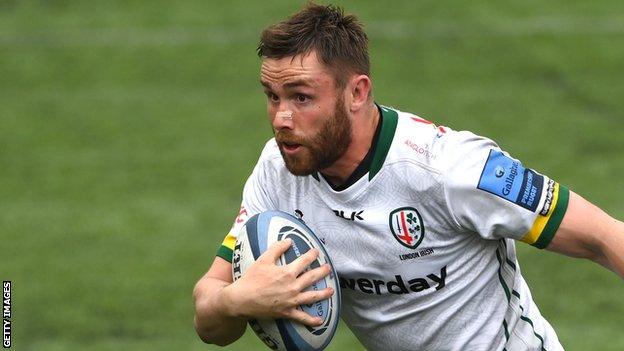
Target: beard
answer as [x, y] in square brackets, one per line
[321, 150]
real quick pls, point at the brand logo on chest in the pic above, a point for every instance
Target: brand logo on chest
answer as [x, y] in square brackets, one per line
[352, 216]
[407, 226]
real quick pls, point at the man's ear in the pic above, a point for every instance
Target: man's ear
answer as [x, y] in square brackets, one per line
[359, 92]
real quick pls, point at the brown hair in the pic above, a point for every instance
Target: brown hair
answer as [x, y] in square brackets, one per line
[338, 39]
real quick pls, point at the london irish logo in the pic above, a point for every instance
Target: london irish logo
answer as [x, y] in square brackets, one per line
[407, 226]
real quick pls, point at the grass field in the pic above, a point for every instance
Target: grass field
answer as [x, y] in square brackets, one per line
[127, 129]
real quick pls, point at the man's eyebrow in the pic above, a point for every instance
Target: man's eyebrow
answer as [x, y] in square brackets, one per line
[291, 84]
[265, 84]
[297, 83]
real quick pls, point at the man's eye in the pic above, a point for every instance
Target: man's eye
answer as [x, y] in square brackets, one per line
[302, 98]
[272, 97]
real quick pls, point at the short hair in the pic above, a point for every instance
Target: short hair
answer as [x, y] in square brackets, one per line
[338, 40]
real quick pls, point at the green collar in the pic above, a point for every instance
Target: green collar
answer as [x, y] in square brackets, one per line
[389, 123]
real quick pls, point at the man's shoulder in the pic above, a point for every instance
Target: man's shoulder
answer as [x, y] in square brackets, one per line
[270, 150]
[270, 163]
[437, 147]
[419, 139]
[429, 131]
[271, 156]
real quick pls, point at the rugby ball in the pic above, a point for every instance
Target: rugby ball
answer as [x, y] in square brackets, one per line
[259, 233]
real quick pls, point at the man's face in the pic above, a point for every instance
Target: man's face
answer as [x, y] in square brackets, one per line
[319, 132]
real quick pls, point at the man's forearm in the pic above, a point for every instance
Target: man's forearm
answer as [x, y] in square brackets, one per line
[613, 248]
[588, 232]
[212, 322]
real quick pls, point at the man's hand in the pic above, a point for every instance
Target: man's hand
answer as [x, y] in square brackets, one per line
[267, 290]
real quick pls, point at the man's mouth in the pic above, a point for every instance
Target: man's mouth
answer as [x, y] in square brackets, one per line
[290, 147]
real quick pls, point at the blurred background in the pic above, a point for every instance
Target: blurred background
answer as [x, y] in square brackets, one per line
[127, 130]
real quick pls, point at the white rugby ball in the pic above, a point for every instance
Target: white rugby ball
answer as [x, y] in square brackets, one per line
[259, 233]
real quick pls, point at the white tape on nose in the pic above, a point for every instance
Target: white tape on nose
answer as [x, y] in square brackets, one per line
[285, 115]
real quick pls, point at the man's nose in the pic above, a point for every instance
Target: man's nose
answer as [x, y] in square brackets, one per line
[283, 119]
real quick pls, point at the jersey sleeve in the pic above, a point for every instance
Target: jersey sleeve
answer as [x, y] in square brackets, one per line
[256, 199]
[493, 194]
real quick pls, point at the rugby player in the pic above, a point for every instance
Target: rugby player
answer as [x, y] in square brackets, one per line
[420, 220]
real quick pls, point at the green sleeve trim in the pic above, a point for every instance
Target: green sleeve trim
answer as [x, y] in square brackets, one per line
[225, 253]
[389, 123]
[555, 219]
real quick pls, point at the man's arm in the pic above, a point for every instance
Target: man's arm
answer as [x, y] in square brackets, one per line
[211, 322]
[588, 232]
[266, 290]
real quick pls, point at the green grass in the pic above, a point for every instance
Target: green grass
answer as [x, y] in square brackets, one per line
[127, 129]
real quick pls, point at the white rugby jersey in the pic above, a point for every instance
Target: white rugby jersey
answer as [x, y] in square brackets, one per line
[423, 243]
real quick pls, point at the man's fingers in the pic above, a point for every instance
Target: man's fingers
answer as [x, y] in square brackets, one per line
[299, 265]
[308, 278]
[303, 318]
[302, 262]
[309, 297]
[276, 250]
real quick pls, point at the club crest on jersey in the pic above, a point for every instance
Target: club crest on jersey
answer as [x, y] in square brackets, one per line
[407, 226]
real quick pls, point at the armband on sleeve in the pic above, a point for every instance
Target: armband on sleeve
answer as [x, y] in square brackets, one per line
[550, 217]
[227, 247]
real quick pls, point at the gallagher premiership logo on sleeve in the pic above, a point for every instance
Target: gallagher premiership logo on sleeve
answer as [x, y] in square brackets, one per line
[505, 177]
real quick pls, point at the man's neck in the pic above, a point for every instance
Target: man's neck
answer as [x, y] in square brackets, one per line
[364, 128]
